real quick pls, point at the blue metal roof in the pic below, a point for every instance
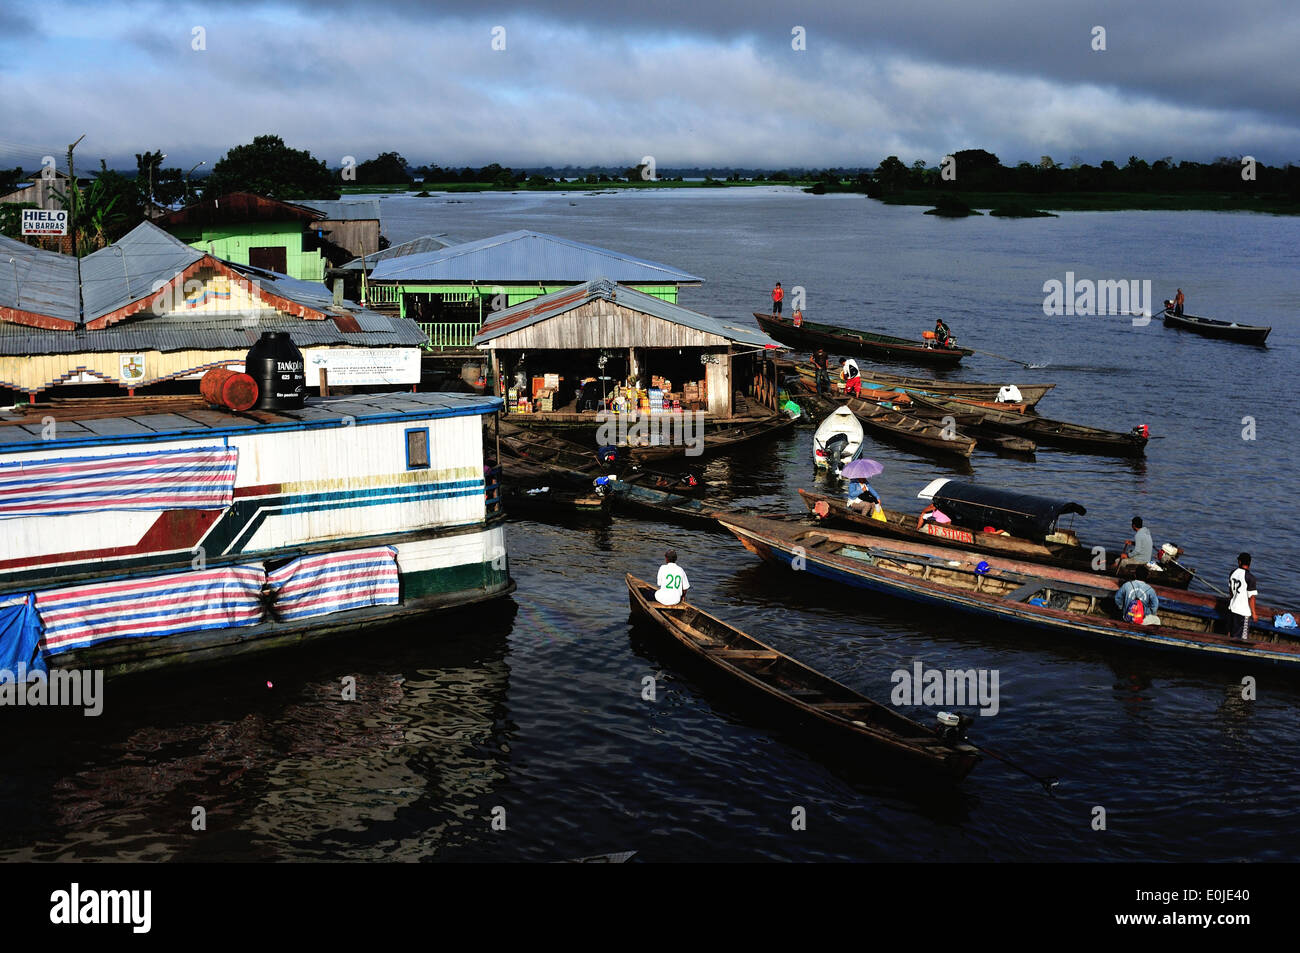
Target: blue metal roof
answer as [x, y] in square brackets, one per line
[527, 257]
[345, 210]
[415, 246]
[560, 302]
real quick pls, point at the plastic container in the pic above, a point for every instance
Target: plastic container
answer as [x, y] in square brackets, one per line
[275, 364]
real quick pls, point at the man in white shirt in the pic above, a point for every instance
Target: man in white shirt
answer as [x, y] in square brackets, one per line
[1242, 590]
[1140, 554]
[672, 581]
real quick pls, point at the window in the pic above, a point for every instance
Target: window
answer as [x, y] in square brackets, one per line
[417, 448]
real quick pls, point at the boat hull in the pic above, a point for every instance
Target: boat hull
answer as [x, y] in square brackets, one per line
[950, 762]
[809, 337]
[1219, 330]
[772, 547]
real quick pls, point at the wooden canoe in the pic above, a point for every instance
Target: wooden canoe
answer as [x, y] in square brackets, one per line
[658, 504]
[1032, 393]
[881, 347]
[1045, 431]
[714, 442]
[1222, 330]
[1047, 599]
[902, 525]
[912, 431]
[902, 396]
[819, 707]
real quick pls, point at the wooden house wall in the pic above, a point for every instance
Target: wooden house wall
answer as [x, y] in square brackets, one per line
[606, 324]
[358, 236]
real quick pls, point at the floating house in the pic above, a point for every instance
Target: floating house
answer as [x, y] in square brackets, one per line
[300, 241]
[599, 335]
[452, 291]
[182, 534]
[153, 309]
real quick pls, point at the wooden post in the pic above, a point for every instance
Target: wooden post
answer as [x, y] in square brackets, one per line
[324, 381]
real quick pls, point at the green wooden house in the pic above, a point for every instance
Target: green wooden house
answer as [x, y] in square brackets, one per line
[451, 291]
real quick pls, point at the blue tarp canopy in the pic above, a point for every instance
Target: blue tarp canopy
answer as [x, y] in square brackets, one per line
[20, 634]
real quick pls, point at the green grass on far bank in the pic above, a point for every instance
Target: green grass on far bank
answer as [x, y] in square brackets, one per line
[561, 186]
[1105, 201]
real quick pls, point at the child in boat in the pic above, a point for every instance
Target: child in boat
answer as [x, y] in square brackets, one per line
[1241, 604]
[798, 318]
[777, 296]
[672, 581]
[932, 512]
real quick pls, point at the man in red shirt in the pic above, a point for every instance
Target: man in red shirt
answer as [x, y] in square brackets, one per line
[777, 296]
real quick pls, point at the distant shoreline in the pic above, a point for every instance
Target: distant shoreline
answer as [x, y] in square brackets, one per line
[1046, 201]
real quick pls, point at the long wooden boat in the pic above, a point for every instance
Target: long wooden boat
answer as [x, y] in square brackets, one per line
[1052, 600]
[714, 442]
[912, 431]
[881, 392]
[1223, 330]
[1031, 394]
[821, 708]
[551, 500]
[180, 534]
[659, 504]
[1073, 555]
[528, 452]
[881, 347]
[1045, 431]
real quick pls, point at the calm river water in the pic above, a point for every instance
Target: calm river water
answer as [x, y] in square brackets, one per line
[536, 708]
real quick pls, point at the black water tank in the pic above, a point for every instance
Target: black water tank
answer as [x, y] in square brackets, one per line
[276, 364]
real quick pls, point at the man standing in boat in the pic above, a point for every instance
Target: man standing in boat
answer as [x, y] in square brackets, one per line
[777, 297]
[1242, 589]
[672, 581]
[1178, 302]
[821, 363]
[1140, 554]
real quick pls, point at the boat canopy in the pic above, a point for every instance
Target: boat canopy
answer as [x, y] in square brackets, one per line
[1020, 514]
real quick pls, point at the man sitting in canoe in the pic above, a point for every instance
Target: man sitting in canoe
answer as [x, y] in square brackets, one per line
[943, 335]
[1140, 555]
[798, 318]
[862, 496]
[672, 581]
[852, 377]
[1138, 591]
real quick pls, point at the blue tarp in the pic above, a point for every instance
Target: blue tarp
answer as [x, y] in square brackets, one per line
[20, 634]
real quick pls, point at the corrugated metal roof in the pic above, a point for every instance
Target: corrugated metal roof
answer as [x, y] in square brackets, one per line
[527, 257]
[319, 412]
[415, 246]
[177, 333]
[344, 210]
[40, 281]
[126, 271]
[560, 302]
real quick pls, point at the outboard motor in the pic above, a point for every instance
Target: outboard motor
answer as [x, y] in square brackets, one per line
[835, 450]
[952, 726]
[604, 485]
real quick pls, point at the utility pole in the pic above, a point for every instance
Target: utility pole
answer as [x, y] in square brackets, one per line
[72, 214]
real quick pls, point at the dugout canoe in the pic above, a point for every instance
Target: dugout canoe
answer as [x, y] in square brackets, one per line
[1222, 330]
[817, 707]
[810, 336]
[1045, 431]
[658, 504]
[1064, 555]
[713, 442]
[1046, 599]
[913, 431]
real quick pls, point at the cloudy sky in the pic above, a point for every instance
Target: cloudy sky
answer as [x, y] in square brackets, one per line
[690, 82]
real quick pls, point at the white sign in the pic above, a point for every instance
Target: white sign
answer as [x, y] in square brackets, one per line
[41, 221]
[132, 368]
[364, 366]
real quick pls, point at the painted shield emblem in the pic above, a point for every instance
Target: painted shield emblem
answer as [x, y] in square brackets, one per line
[132, 368]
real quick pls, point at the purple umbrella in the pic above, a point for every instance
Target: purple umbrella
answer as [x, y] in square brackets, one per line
[862, 468]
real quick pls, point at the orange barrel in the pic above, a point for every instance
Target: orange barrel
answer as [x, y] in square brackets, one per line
[229, 389]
